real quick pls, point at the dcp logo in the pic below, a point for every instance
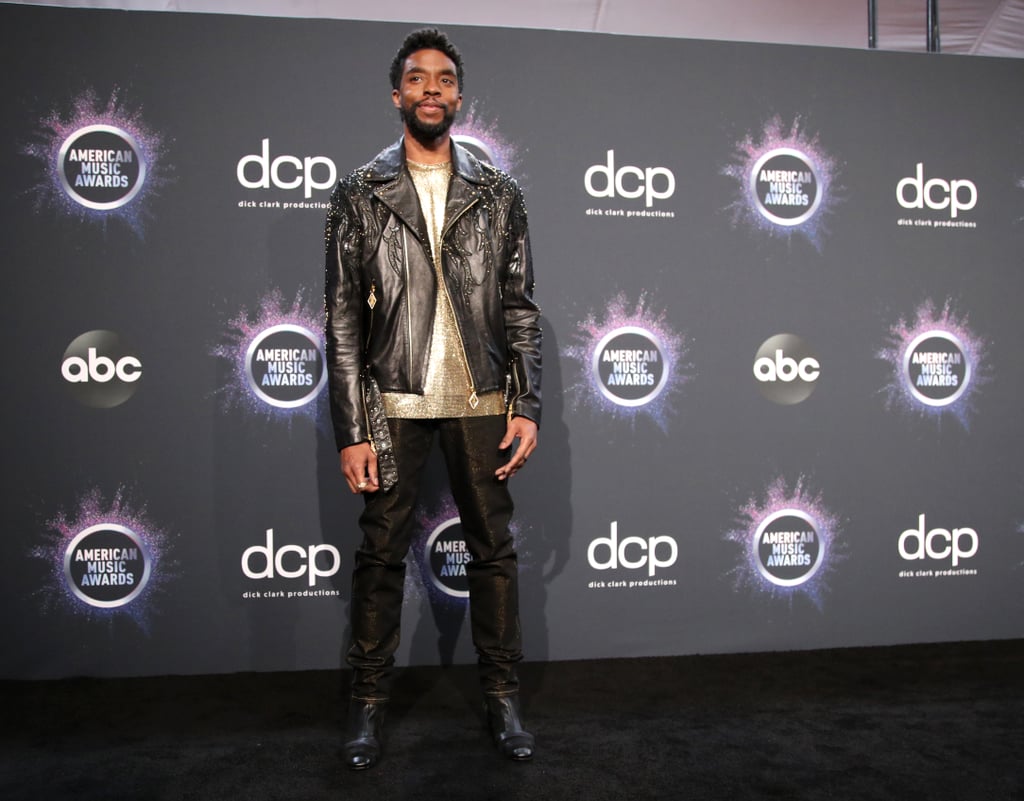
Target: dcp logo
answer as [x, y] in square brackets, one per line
[650, 183]
[914, 192]
[632, 553]
[938, 543]
[286, 172]
[786, 369]
[100, 369]
[290, 561]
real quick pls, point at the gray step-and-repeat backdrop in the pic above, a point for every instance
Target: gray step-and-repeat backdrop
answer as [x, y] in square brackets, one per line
[784, 352]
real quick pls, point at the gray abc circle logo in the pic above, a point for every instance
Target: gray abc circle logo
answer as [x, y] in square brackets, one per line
[446, 557]
[786, 369]
[107, 565]
[101, 167]
[785, 183]
[100, 369]
[629, 366]
[285, 366]
[936, 368]
[788, 548]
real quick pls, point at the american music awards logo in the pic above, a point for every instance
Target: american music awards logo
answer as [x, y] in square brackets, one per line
[100, 161]
[790, 543]
[106, 559]
[629, 361]
[937, 364]
[276, 359]
[785, 182]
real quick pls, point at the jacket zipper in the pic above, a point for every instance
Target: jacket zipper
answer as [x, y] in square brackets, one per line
[474, 399]
[408, 304]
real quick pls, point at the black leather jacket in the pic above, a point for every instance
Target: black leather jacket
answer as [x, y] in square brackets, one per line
[377, 244]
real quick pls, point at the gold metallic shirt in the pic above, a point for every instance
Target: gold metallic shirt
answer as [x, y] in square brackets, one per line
[447, 391]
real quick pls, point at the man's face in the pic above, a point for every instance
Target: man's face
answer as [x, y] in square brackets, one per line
[428, 95]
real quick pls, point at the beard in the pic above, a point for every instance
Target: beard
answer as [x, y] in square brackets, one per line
[423, 132]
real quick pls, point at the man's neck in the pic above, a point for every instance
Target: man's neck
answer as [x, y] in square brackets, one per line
[436, 152]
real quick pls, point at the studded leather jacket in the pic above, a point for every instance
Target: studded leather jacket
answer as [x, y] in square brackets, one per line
[381, 286]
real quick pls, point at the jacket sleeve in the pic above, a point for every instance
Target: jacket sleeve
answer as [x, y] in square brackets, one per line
[343, 301]
[522, 316]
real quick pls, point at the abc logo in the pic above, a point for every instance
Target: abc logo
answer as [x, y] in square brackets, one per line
[100, 369]
[286, 172]
[289, 561]
[938, 543]
[786, 369]
[651, 183]
[914, 192]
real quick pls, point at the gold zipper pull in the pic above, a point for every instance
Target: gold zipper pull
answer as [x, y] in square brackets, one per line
[372, 300]
[474, 401]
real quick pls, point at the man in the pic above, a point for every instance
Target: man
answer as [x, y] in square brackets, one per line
[431, 330]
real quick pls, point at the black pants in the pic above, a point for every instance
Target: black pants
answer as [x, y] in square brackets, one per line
[470, 448]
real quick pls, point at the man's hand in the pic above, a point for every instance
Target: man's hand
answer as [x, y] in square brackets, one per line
[359, 466]
[525, 430]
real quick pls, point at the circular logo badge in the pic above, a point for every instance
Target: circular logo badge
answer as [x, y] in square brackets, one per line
[788, 548]
[478, 147]
[447, 557]
[936, 368]
[107, 565]
[629, 366]
[785, 183]
[285, 366]
[786, 369]
[100, 369]
[101, 167]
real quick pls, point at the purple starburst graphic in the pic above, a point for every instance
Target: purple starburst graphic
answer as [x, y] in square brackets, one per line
[639, 321]
[800, 148]
[486, 141]
[93, 513]
[245, 330]
[89, 111]
[930, 322]
[801, 505]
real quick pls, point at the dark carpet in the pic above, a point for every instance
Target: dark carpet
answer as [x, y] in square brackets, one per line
[932, 722]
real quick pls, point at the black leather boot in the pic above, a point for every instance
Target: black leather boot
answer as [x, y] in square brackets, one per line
[364, 734]
[512, 739]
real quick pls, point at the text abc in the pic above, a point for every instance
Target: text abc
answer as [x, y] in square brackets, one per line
[621, 182]
[939, 543]
[936, 193]
[273, 561]
[786, 368]
[619, 553]
[100, 368]
[299, 172]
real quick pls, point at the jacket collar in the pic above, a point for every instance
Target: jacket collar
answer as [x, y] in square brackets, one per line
[389, 164]
[396, 190]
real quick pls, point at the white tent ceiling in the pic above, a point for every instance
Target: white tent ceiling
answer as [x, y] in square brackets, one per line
[977, 27]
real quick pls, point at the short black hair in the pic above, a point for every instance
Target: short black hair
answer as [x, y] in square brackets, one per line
[425, 39]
